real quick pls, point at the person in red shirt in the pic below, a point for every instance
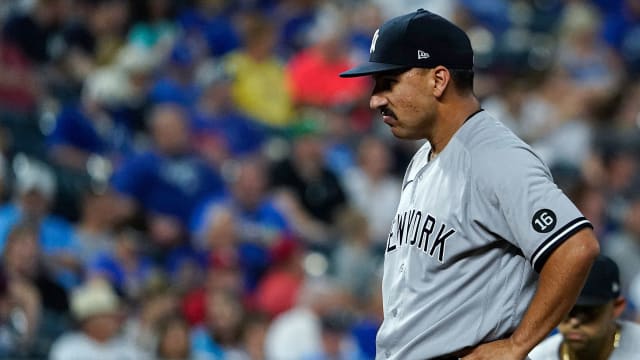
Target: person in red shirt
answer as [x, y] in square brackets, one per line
[313, 73]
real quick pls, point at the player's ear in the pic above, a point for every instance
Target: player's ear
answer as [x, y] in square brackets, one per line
[619, 305]
[441, 77]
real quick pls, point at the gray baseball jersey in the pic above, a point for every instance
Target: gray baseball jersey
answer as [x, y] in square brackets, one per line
[473, 228]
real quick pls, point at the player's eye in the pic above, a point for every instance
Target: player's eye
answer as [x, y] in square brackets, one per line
[585, 314]
[385, 83]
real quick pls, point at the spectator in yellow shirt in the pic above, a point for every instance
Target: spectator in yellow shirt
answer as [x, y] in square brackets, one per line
[259, 82]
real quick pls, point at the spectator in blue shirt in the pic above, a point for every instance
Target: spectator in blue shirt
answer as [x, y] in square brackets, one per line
[177, 84]
[220, 130]
[208, 21]
[34, 192]
[169, 180]
[94, 126]
[124, 267]
[257, 221]
[620, 29]
[260, 221]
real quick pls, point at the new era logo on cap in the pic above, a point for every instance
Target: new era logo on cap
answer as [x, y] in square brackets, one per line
[423, 55]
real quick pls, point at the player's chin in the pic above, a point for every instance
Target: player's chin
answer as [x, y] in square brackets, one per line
[576, 340]
[398, 133]
[403, 134]
[577, 345]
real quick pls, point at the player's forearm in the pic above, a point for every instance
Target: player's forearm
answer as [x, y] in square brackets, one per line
[561, 280]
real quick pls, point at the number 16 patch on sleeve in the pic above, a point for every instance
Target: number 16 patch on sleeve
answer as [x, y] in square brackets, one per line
[544, 221]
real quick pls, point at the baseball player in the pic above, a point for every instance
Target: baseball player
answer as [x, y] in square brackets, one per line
[485, 255]
[592, 329]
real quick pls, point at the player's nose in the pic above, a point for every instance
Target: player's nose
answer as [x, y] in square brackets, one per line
[377, 101]
[573, 321]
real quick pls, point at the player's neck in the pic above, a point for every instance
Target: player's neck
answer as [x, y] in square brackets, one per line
[450, 118]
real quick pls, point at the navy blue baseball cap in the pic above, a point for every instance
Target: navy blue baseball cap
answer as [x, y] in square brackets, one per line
[602, 285]
[418, 39]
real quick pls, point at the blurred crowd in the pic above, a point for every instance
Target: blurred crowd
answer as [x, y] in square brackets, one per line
[190, 179]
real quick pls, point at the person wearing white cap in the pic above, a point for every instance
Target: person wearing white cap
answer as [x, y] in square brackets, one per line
[96, 308]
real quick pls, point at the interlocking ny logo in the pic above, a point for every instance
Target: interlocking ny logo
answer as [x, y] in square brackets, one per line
[423, 55]
[373, 42]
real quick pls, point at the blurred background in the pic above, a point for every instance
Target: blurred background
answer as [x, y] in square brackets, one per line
[191, 179]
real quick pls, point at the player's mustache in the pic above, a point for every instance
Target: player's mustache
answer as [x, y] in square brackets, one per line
[387, 112]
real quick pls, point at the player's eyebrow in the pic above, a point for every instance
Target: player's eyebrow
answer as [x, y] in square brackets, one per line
[390, 74]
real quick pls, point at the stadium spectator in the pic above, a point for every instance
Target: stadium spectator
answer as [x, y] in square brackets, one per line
[209, 24]
[173, 340]
[623, 246]
[581, 51]
[244, 224]
[355, 259]
[342, 132]
[89, 39]
[155, 28]
[313, 71]
[97, 310]
[318, 297]
[123, 265]
[618, 28]
[19, 300]
[158, 305]
[258, 220]
[295, 19]
[223, 274]
[619, 159]
[94, 231]
[592, 203]
[371, 187]
[23, 261]
[176, 84]
[336, 339]
[41, 301]
[259, 84]
[20, 86]
[309, 192]
[254, 330]
[168, 181]
[34, 194]
[279, 289]
[31, 30]
[221, 132]
[220, 334]
[93, 126]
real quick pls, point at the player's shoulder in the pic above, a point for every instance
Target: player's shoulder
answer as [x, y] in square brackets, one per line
[630, 340]
[493, 148]
[547, 349]
[631, 326]
[483, 134]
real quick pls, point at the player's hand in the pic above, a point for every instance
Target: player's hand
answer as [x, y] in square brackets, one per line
[500, 349]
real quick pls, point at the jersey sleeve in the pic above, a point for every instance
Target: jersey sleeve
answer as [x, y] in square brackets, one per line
[525, 206]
